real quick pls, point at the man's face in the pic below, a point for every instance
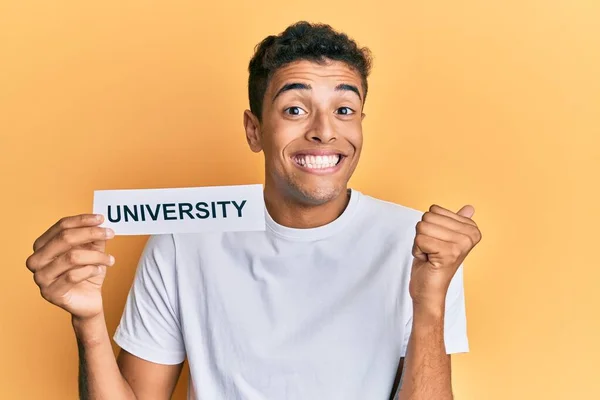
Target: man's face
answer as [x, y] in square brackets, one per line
[311, 130]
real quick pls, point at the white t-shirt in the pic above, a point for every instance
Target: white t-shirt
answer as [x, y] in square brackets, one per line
[285, 314]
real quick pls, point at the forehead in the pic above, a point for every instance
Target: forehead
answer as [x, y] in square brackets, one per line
[330, 73]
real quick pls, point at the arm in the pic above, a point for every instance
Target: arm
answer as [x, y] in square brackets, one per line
[443, 240]
[148, 380]
[69, 264]
[149, 333]
[426, 372]
[129, 377]
[99, 375]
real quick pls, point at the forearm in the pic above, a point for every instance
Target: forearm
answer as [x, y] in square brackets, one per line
[426, 373]
[99, 374]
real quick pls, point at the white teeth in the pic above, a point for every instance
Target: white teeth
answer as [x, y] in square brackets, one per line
[317, 162]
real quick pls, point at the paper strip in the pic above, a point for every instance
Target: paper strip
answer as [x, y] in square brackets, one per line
[182, 210]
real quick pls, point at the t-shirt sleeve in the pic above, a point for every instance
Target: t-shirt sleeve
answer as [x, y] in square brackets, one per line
[455, 320]
[150, 327]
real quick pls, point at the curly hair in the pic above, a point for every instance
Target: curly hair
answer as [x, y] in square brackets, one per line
[302, 41]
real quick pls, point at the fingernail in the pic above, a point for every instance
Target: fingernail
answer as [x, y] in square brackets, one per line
[109, 233]
[99, 217]
[111, 260]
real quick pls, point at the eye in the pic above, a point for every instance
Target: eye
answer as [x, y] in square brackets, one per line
[345, 111]
[294, 111]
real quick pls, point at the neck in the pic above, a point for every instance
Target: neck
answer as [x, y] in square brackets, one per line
[292, 213]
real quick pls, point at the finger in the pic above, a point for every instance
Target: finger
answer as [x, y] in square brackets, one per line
[73, 277]
[439, 232]
[64, 241]
[76, 221]
[466, 211]
[417, 252]
[425, 247]
[430, 245]
[73, 258]
[469, 230]
[442, 211]
[98, 245]
[445, 221]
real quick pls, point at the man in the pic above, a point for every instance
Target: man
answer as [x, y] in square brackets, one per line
[324, 304]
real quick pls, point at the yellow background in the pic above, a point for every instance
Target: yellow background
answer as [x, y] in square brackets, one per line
[493, 103]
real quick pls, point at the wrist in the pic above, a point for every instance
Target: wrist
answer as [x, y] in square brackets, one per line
[428, 313]
[89, 331]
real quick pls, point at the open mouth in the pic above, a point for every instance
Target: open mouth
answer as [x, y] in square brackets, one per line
[317, 162]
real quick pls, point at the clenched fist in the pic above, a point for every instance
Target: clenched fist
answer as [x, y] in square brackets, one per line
[443, 240]
[69, 264]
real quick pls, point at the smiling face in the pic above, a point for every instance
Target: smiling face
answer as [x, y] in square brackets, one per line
[311, 130]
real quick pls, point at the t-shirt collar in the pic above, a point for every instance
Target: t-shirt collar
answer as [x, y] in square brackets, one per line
[321, 232]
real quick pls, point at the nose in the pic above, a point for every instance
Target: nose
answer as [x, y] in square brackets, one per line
[321, 129]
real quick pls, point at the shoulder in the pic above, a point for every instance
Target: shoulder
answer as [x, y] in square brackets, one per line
[160, 244]
[389, 213]
[169, 244]
[158, 253]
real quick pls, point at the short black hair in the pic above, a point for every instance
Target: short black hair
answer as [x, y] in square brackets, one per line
[302, 41]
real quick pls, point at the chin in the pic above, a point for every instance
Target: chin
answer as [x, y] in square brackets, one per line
[318, 195]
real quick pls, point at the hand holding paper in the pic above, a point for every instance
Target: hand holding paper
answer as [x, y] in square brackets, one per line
[69, 260]
[69, 264]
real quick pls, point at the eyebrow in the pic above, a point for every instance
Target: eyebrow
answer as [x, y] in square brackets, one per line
[291, 86]
[351, 88]
[303, 86]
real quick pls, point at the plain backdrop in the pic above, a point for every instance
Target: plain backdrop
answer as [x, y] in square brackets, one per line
[491, 103]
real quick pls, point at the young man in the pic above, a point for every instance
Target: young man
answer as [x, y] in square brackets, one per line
[324, 304]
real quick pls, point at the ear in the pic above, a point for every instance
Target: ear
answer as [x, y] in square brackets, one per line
[362, 117]
[253, 134]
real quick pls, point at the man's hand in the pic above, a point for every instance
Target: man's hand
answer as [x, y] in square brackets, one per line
[69, 264]
[442, 242]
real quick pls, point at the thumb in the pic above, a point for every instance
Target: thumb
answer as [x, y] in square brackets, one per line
[467, 211]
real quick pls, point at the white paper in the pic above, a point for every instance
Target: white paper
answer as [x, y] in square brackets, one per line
[182, 210]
